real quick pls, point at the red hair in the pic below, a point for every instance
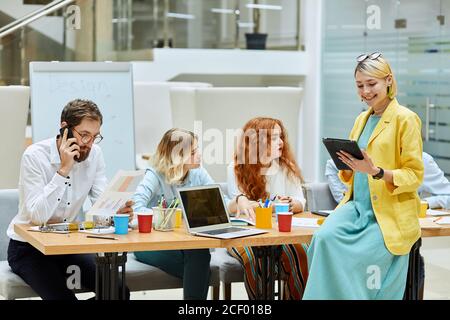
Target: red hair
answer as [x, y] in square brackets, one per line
[249, 161]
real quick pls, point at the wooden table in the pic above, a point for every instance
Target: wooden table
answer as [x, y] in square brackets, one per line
[108, 258]
[437, 230]
[178, 239]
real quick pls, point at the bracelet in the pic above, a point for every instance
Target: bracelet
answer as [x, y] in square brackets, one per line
[241, 195]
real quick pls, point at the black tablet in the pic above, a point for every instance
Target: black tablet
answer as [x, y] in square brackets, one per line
[349, 146]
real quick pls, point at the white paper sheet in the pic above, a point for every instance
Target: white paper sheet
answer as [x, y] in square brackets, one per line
[436, 213]
[305, 222]
[428, 223]
[442, 220]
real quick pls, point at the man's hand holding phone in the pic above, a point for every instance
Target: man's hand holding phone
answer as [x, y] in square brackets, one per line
[68, 150]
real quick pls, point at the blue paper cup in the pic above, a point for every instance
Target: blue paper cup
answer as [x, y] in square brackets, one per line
[121, 223]
[281, 207]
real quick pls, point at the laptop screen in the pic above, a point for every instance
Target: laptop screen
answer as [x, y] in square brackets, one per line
[203, 207]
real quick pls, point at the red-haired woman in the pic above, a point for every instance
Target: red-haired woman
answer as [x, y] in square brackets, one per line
[264, 167]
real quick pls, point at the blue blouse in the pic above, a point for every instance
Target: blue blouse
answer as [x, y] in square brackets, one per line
[154, 185]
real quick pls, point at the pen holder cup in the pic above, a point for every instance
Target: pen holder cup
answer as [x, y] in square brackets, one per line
[263, 218]
[164, 218]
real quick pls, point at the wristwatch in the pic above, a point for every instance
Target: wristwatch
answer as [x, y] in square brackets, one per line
[379, 175]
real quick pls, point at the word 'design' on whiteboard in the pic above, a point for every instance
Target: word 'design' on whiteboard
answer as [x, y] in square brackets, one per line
[108, 84]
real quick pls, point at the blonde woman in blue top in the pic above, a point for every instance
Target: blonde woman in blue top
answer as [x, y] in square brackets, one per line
[175, 164]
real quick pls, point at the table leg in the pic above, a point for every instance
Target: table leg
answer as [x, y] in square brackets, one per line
[108, 278]
[277, 251]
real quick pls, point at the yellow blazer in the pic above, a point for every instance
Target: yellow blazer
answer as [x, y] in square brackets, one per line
[395, 144]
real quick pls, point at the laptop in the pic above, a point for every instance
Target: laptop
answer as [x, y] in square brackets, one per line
[206, 215]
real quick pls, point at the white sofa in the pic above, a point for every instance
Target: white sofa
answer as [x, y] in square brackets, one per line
[216, 110]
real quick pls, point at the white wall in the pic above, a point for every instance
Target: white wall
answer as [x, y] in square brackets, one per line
[169, 63]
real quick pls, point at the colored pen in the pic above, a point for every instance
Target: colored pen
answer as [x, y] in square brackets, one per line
[160, 203]
[172, 203]
[98, 237]
[266, 203]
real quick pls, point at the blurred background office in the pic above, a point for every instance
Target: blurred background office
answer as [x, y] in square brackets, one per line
[308, 44]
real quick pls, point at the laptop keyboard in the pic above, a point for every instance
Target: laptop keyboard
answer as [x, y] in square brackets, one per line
[225, 230]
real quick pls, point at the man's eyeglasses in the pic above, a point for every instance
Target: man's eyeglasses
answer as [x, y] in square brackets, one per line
[87, 138]
[372, 56]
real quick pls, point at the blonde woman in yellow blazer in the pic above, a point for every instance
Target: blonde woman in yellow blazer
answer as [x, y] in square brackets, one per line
[361, 251]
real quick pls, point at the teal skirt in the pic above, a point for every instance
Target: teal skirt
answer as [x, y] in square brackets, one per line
[348, 259]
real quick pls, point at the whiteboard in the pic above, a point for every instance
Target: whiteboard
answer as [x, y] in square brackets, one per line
[108, 84]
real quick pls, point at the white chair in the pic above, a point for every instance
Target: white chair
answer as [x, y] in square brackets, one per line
[158, 107]
[152, 115]
[183, 101]
[14, 103]
[225, 109]
[318, 197]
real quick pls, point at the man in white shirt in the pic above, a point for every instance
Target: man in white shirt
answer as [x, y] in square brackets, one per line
[56, 177]
[435, 189]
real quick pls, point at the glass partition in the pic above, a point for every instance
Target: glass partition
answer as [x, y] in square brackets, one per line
[126, 30]
[414, 36]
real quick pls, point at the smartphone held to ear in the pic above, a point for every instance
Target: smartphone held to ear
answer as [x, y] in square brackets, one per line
[69, 132]
[69, 136]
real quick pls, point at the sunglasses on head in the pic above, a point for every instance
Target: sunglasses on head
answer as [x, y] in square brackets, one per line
[371, 56]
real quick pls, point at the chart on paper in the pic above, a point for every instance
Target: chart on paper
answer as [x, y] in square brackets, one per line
[126, 183]
[118, 192]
